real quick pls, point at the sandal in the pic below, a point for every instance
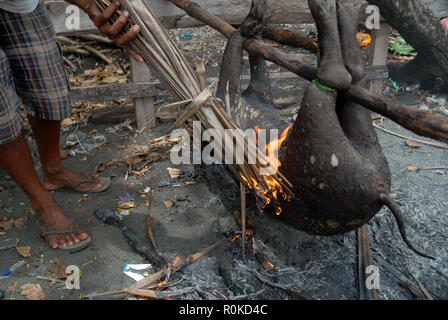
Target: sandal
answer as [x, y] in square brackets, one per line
[45, 232]
[72, 187]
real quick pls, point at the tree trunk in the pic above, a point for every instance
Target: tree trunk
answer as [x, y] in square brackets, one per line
[417, 24]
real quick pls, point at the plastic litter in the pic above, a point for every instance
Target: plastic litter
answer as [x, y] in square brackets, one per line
[187, 36]
[12, 268]
[126, 196]
[137, 271]
[445, 23]
[75, 138]
[400, 46]
[364, 39]
[89, 145]
[124, 212]
[8, 244]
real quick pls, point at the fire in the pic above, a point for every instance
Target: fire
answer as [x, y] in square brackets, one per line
[268, 265]
[270, 188]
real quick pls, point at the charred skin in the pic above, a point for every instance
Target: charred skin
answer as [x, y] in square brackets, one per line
[254, 106]
[332, 155]
[336, 189]
[356, 122]
[232, 61]
[331, 71]
[347, 23]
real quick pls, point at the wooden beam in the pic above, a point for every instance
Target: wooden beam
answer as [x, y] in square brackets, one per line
[144, 107]
[109, 92]
[378, 55]
[233, 12]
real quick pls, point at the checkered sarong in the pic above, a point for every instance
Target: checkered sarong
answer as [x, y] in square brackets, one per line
[31, 67]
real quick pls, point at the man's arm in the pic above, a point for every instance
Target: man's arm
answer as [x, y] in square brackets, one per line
[112, 31]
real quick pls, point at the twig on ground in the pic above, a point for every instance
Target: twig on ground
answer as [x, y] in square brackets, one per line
[281, 286]
[148, 223]
[420, 285]
[403, 280]
[433, 144]
[441, 272]
[413, 168]
[137, 288]
[94, 37]
[69, 63]
[84, 47]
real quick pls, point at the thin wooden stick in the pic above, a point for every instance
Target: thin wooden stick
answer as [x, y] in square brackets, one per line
[84, 46]
[148, 223]
[69, 63]
[157, 48]
[146, 282]
[420, 285]
[433, 144]
[243, 219]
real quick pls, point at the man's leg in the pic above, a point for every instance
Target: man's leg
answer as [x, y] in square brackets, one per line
[47, 133]
[40, 80]
[16, 159]
[15, 156]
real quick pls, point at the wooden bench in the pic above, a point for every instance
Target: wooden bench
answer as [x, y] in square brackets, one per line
[279, 11]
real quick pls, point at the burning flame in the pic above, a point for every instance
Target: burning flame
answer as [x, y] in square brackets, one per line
[270, 188]
[268, 265]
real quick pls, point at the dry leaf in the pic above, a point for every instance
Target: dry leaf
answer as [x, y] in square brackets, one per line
[100, 167]
[6, 224]
[413, 168]
[191, 47]
[412, 144]
[174, 173]
[59, 269]
[13, 286]
[82, 199]
[127, 204]
[32, 291]
[140, 173]
[24, 251]
[168, 204]
[66, 123]
[18, 223]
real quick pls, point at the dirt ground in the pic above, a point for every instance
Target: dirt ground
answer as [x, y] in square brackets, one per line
[202, 214]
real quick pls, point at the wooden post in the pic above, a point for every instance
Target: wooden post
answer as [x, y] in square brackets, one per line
[378, 57]
[144, 107]
[378, 54]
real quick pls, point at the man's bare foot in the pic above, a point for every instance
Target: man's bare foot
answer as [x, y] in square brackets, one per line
[52, 217]
[56, 179]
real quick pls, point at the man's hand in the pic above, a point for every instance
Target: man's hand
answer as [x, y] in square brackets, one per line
[112, 31]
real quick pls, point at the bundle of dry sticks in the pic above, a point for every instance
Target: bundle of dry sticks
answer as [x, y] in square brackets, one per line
[189, 88]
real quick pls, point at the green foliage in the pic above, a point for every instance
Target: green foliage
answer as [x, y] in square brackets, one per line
[400, 46]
